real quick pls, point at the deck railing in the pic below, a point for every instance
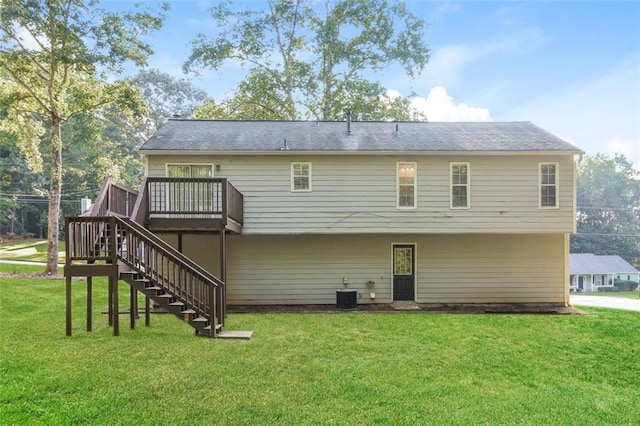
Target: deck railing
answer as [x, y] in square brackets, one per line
[140, 211]
[109, 239]
[234, 202]
[202, 198]
[114, 199]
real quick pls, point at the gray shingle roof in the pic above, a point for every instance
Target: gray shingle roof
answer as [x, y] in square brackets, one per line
[589, 264]
[366, 136]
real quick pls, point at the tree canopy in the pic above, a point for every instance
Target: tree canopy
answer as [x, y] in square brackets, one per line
[608, 205]
[312, 59]
[167, 96]
[53, 60]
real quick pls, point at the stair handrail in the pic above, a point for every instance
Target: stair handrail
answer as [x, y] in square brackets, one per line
[114, 239]
[170, 249]
[141, 207]
[100, 207]
[103, 205]
[204, 302]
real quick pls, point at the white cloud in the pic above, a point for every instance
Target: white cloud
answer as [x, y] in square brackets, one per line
[510, 34]
[392, 94]
[444, 8]
[629, 147]
[439, 106]
[599, 114]
[28, 40]
[447, 62]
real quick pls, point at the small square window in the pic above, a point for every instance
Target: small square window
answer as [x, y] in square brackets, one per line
[300, 177]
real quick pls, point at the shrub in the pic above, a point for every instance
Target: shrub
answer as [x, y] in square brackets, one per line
[624, 285]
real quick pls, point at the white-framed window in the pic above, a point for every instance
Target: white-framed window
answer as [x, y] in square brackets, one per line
[549, 189]
[191, 197]
[190, 170]
[460, 181]
[406, 185]
[403, 261]
[301, 177]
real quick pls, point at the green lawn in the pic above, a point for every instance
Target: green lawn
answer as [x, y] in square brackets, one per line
[12, 268]
[314, 369]
[32, 250]
[628, 294]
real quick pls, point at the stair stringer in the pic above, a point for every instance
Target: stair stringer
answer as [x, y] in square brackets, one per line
[171, 302]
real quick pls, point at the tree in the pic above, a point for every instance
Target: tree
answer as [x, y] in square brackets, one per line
[312, 58]
[166, 96]
[253, 100]
[53, 56]
[21, 191]
[608, 204]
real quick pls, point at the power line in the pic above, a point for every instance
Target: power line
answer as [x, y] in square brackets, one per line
[606, 208]
[596, 234]
[46, 193]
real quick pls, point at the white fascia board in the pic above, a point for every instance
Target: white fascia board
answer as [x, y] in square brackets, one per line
[302, 152]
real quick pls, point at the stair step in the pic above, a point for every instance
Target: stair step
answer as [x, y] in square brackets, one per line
[218, 327]
[176, 304]
[153, 287]
[189, 311]
[200, 319]
[165, 296]
[142, 280]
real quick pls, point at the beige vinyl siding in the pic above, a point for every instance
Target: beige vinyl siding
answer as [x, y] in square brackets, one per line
[204, 249]
[493, 269]
[308, 269]
[304, 269]
[357, 194]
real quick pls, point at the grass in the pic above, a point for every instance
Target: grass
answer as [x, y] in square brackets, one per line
[12, 268]
[349, 368]
[627, 294]
[32, 250]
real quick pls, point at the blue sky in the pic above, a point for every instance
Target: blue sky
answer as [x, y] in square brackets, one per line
[571, 67]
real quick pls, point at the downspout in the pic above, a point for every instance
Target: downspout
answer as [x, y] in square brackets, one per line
[567, 237]
[567, 270]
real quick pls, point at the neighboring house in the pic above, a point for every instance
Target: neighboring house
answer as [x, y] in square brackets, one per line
[590, 272]
[287, 212]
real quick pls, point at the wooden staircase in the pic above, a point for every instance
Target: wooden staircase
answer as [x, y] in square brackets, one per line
[170, 302]
[114, 245]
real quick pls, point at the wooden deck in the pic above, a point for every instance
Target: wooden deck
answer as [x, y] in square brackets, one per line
[189, 205]
[116, 239]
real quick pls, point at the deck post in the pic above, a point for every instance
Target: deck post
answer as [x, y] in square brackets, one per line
[147, 311]
[113, 283]
[68, 305]
[225, 206]
[212, 309]
[223, 276]
[133, 307]
[67, 263]
[113, 277]
[110, 303]
[89, 303]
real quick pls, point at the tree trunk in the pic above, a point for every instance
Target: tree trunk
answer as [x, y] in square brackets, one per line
[55, 191]
[12, 221]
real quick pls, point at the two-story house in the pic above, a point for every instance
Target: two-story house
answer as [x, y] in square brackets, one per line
[441, 213]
